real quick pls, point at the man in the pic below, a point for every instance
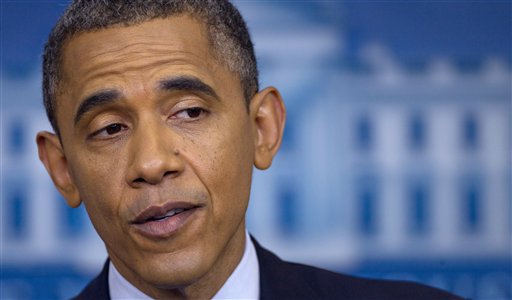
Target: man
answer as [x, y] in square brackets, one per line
[158, 122]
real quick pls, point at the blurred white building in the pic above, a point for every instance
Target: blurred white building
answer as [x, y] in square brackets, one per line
[394, 165]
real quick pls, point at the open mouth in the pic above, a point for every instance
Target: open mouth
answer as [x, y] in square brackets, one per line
[164, 221]
[169, 214]
[160, 213]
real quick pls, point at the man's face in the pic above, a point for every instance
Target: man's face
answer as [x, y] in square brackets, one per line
[152, 125]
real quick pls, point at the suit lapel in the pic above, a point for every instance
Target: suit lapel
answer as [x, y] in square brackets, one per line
[98, 287]
[279, 279]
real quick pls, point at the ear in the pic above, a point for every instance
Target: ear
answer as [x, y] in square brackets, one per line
[268, 116]
[52, 155]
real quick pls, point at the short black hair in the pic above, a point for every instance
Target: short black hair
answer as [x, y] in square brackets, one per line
[226, 30]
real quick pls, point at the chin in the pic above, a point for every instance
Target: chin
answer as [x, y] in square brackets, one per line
[175, 271]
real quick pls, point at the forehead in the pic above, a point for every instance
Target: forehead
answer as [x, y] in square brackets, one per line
[180, 40]
[169, 31]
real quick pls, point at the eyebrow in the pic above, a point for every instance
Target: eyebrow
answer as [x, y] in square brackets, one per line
[180, 83]
[187, 83]
[97, 99]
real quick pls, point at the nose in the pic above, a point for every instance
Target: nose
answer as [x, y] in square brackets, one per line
[153, 156]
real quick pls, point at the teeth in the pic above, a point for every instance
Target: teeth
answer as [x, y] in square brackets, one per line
[170, 213]
[173, 212]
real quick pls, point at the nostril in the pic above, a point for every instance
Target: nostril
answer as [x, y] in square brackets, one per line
[168, 173]
[150, 181]
[139, 180]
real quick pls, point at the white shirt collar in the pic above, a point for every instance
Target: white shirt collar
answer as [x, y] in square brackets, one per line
[243, 283]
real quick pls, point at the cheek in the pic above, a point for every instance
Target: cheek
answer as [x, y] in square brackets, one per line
[100, 189]
[226, 164]
[103, 203]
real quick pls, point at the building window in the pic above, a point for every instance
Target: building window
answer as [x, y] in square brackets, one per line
[364, 133]
[73, 220]
[366, 199]
[472, 205]
[418, 195]
[16, 210]
[416, 132]
[16, 138]
[470, 132]
[288, 142]
[288, 211]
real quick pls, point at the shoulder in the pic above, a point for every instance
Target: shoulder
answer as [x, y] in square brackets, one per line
[97, 288]
[328, 283]
[285, 280]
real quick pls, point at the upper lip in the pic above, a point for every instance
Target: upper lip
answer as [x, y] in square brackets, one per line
[154, 211]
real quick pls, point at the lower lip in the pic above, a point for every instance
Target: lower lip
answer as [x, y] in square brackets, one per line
[166, 227]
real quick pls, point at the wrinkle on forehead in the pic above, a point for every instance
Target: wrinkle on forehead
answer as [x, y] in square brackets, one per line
[190, 30]
[140, 49]
[124, 64]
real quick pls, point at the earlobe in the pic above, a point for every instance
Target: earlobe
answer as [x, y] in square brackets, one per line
[268, 115]
[52, 156]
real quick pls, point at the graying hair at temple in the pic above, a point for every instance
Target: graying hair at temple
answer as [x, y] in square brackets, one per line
[226, 31]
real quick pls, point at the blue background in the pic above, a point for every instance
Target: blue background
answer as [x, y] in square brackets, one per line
[395, 164]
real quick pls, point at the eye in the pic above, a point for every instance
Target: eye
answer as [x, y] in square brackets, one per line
[109, 130]
[113, 128]
[190, 113]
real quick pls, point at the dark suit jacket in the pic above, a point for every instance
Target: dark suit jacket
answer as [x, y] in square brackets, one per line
[284, 280]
